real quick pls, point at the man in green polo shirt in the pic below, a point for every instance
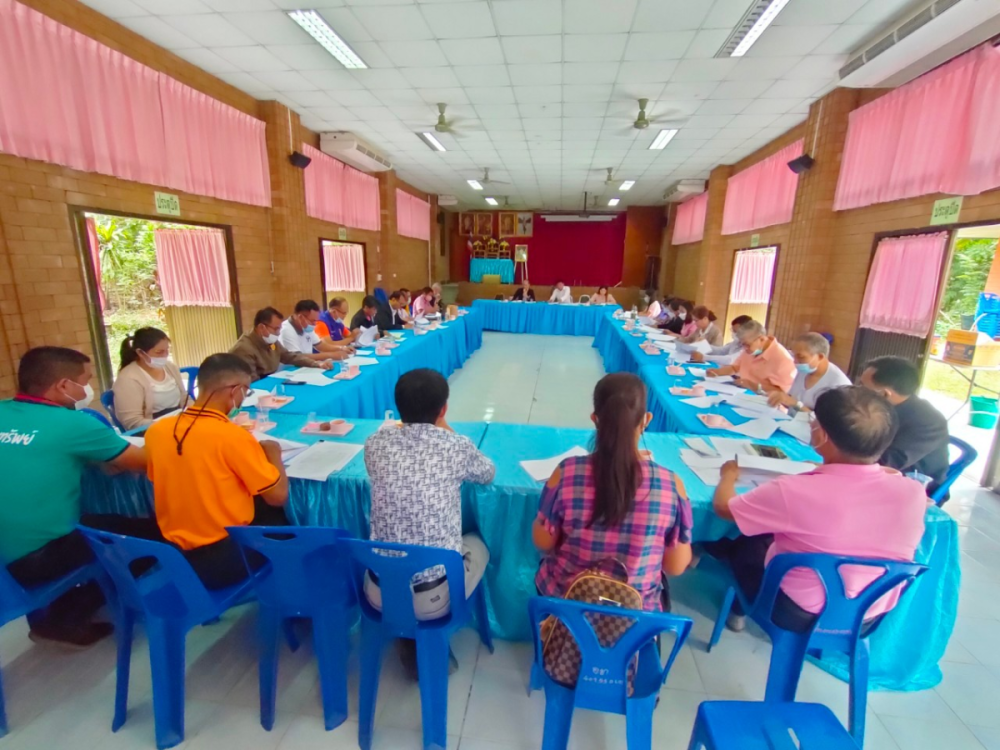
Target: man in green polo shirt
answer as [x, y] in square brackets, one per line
[46, 442]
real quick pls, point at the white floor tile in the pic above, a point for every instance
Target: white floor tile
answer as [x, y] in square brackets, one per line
[972, 692]
[917, 734]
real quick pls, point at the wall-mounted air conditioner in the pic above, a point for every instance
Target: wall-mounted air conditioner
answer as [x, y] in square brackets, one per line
[352, 150]
[683, 189]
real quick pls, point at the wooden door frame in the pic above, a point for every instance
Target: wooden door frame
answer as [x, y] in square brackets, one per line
[774, 278]
[322, 263]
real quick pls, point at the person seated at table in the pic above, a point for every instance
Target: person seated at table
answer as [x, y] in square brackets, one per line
[390, 318]
[704, 327]
[764, 364]
[816, 374]
[671, 320]
[148, 385]
[365, 317]
[298, 334]
[561, 294]
[416, 472]
[209, 473]
[614, 503]
[261, 347]
[331, 322]
[921, 445]
[653, 310]
[424, 304]
[725, 354]
[438, 299]
[602, 297]
[847, 506]
[46, 444]
[404, 310]
[524, 293]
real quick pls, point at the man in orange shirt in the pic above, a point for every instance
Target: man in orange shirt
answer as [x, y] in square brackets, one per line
[208, 473]
[764, 364]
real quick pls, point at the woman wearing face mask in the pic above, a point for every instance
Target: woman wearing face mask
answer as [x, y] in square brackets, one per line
[148, 385]
[705, 328]
[815, 374]
[674, 322]
[684, 324]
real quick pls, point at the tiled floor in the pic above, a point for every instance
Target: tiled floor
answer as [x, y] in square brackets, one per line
[60, 700]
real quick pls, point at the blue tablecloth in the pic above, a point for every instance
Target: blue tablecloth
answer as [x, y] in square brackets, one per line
[371, 394]
[503, 268]
[543, 318]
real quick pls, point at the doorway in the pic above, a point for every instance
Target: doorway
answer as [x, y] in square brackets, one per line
[752, 284]
[344, 272]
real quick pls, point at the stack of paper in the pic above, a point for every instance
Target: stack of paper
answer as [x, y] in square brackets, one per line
[360, 361]
[367, 336]
[289, 448]
[753, 408]
[541, 469]
[797, 429]
[662, 337]
[364, 352]
[706, 468]
[701, 446]
[765, 465]
[734, 390]
[310, 376]
[702, 402]
[320, 460]
[701, 346]
[732, 447]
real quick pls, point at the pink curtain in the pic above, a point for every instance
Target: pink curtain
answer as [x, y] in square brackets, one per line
[903, 284]
[753, 272]
[343, 267]
[95, 258]
[413, 216]
[762, 195]
[936, 134]
[192, 265]
[689, 221]
[341, 194]
[67, 99]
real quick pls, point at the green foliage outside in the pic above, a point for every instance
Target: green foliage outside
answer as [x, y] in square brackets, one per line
[969, 268]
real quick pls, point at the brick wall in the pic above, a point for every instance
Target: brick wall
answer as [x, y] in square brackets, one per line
[643, 235]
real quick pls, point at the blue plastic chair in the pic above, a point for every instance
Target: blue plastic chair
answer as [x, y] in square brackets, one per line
[108, 402]
[967, 454]
[381, 296]
[96, 415]
[307, 578]
[397, 620]
[17, 601]
[171, 599]
[737, 725]
[192, 374]
[838, 627]
[602, 682]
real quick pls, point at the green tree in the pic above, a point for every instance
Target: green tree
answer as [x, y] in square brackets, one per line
[970, 266]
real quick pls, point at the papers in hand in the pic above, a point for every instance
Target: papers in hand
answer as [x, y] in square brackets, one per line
[360, 361]
[367, 336]
[541, 469]
[289, 448]
[319, 461]
[701, 346]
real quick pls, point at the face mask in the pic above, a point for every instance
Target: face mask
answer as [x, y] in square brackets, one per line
[88, 396]
[807, 369]
[157, 362]
[236, 407]
[271, 338]
[682, 315]
[813, 443]
[308, 328]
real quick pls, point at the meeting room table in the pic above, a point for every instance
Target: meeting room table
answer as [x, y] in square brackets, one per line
[502, 267]
[543, 317]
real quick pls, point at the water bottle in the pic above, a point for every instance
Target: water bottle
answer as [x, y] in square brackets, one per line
[635, 312]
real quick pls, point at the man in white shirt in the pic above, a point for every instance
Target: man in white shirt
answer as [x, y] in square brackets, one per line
[816, 374]
[298, 334]
[561, 294]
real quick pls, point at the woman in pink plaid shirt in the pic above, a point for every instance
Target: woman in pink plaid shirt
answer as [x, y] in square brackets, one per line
[615, 503]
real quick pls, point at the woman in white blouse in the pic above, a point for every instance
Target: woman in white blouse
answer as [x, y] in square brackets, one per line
[148, 384]
[603, 297]
[704, 327]
[816, 374]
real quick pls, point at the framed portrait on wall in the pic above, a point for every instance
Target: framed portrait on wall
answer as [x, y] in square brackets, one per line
[466, 224]
[484, 224]
[520, 253]
[508, 224]
[525, 223]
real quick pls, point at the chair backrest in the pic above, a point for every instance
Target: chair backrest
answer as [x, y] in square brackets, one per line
[584, 298]
[192, 376]
[967, 454]
[308, 565]
[394, 573]
[13, 599]
[168, 588]
[603, 671]
[839, 624]
[499, 297]
[381, 296]
[100, 417]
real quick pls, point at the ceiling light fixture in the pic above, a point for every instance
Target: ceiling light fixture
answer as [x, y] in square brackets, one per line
[320, 30]
[627, 185]
[760, 15]
[613, 202]
[474, 184]
[492, 201]
[662, 139]
[433, 142]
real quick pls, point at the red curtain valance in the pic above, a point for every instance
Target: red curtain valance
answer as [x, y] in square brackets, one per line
[762, 195]
[341, 194]
[689, 221]
[413, 216]
[936, 134]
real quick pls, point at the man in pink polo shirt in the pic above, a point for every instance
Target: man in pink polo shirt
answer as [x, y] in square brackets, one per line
[764, 364]
[848, 506]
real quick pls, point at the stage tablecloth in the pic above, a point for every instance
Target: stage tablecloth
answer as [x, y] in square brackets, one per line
[371, 394]
[542, 317]
[503, 268]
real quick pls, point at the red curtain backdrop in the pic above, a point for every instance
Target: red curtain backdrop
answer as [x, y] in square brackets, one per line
[343, 267]
[341, 194]
[937, 134]
[95, 257]
[192, 267]
[752, 275]
[689, 221]
[413, 216]
[903, 284]
[577, 253]
[762, 195]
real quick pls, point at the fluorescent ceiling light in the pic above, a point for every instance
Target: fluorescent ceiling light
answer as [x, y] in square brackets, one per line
[761, 15]
[627, 185]
[492, 201]
[613, 202]
[474, 184]
[320, 30]
[433, 142]
[661, 140]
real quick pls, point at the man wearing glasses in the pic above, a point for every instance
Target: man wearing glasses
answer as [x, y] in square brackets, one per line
[763, 365]
[262, 351]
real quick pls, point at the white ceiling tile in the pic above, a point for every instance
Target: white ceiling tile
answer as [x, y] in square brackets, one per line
[232, 6]
[332, 80]
[582, 123]
[403, 22]
[708, 121]
[751, 121]
[880, 11]
[407, 53]
[533, 49]
[670, 15]
[742, 89]
[357, 98]
[790, 41]
[784, 122]
[482, 75]
[269, 28]
[596, 93]
[158, 32]
[117, 8]
[646, 72]
[209, 29]
[472, 51]
[246, 82]
[792, 89]
[305, 57]
[549, 125]
[722, 106]
[455, 95]
[252, 59]
[428, 78]
[372, 54]
[812, 14]
[770, 106]
[491, 94]
[415, 111]
[845, 40]
[380, 79]
[311, 99]
[541, 110]
[287, 81]
[666, 45]
[706, 44]
[496, 112]
[694, 90]
[462, 21]
[207, 60]
[725, 14]
[584, 109]
[756, 68]
[585, 73]
[536, 75]
[598, 16]
[346, 24]
[816, 67]
[699, 71]
[594, 47]
[539, 94]
[516, 17]
[172, 7]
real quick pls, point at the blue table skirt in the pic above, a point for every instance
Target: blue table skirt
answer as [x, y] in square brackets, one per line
[543, 318]
[491, 266]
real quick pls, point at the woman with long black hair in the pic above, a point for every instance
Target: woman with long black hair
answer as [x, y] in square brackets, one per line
[149, 384]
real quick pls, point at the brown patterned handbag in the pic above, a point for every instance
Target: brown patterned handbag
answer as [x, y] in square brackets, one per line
[606, 584]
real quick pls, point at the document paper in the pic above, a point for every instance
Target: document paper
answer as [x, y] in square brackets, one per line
[320, 460]
[541, 469]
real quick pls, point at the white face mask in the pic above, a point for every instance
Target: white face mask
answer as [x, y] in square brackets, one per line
[271, 338]
[682, 315]
[88, 396]
[157, 362]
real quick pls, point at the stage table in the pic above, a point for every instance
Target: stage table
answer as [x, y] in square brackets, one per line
[543, 318]
[504, 268]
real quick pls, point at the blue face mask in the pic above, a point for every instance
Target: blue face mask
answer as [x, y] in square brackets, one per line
[807, 369]
[308, 329]
[757, 352]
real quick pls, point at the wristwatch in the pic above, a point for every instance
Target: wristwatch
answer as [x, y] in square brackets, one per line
[799, 406]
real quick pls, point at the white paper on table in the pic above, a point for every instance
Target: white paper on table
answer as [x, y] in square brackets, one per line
[320, 460]
[660, 337]
[360, 361]
[701, 372]
[708, 477]
[137, 441]
[701, 346]
[759, 429]
[282, 375]
[702, 402]
[289, 448]
[761, 413]
[250, 402]
[364, 353]
[774, 465]
[312, 376]
[666, 346]
[727, 388]
[679, 358]
[367, 336]
[797, 429]
[701, 446]
[694, 460]
[542, 468]
[732, 447]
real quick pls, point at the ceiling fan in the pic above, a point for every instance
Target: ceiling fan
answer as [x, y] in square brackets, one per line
[487, 180]
[643, 121]
[444, 125]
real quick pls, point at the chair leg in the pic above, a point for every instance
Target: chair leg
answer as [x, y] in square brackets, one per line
[372, 645]
[432, 667]
[291, 637]
[269, 623]
[788, 653]
[639, 723]
[331, 640]
[535, 681]
[720, 621]
[558, 717]
[859, 692]
[483, 617]
[124, 630]
[3, 711]
[166, 656]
